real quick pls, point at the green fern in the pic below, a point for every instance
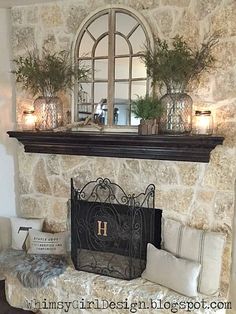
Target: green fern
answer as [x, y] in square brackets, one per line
[48, 74]
[178, 65]
[147, 108]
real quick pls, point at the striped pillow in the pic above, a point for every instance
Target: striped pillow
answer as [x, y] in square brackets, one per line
[200, 246]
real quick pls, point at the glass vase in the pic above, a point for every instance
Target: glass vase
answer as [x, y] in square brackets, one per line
[177, 113]
[48, 112]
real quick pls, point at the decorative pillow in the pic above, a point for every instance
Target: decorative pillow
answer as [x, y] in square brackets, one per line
[47, 243]
[20, 228]
[175, 273]
[5, 233]
[199, 246]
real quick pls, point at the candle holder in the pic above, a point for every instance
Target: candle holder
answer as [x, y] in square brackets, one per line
[202, 123]
[29, 120]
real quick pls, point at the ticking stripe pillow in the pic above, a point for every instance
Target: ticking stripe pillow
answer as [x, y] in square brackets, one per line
[200, 246]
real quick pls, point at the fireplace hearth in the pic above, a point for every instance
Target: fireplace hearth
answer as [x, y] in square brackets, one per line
[110, 229]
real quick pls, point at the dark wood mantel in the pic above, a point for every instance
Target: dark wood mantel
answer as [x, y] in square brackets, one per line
[122, 145]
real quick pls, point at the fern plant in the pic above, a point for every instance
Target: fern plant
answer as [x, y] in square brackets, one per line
[179, 64]
[147, 108]
[49, 73]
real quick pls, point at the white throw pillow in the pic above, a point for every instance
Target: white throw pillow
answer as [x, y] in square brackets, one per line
[47, 243]
[175, 273]
[199, 246]
[20, 228]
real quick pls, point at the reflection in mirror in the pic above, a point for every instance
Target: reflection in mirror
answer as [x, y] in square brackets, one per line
[99, 26]
[138, 88]
[124, 23]
[100, 92]
[86, 46]
[102, 47]
[138, 40]
[101, 69]
[121, 68]
[84, 101]
[121, 103]
[122, 47]
[138, 68]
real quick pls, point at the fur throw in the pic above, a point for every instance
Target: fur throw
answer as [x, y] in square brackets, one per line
[33, 271]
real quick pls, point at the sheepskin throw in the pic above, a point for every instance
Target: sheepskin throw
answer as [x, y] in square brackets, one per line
[33, 271]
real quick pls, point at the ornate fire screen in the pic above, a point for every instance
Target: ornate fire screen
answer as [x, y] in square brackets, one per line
[110, 229]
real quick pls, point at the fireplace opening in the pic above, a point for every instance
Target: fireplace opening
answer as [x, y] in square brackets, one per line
[110, 229]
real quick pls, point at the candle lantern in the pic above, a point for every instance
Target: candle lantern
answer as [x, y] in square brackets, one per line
[28, 120]
[202, 123]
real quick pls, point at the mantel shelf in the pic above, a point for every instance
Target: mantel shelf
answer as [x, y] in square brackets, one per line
[121, 145]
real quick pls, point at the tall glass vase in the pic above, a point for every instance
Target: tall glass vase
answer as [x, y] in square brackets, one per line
[48, 112]
[177, 113]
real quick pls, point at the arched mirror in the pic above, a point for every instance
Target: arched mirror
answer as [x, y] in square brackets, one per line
[111, 43]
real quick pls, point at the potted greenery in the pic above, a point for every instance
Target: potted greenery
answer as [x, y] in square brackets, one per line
[45, 76]
[175, 67]
[149, 110]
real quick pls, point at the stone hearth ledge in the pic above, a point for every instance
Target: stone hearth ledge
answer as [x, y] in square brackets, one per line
[80, 286]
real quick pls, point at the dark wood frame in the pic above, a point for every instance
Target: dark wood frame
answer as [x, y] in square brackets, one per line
[121, 145]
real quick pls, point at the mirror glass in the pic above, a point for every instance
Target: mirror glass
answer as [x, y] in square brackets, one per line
[99, 26]
[122, 68]
[86, 46]
[102, 47]
[101, 69]
[122, 47]
[113, 55]
[125, 23]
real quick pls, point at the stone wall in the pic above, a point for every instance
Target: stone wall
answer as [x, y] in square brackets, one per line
[201, 195]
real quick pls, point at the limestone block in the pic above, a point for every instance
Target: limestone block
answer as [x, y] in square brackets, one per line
[224, 207]
[224, 20]
[226, 112]
[189, 172]
[202, 8]
[205, 196]
[107, 168]
[224, 85]
[22, 37]
[60, 188]
[51, 15]
[228, 130]
[225, 54]
[26, 161]
[34, 206]
[53, 164]
[178, 3]
[53, 225]
[59, 210]
[70, 162]
[221, 170]
[143, 5]
[17, 16]
[200, 217]
[164, 20]
[178, 199]
[49, 43]
[25, 184]
[74, 15]
[82, 287]
[32, 14]
[40, 181]
[186, 22]
[166, 174]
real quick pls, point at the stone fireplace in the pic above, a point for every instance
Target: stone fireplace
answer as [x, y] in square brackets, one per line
[199, 194]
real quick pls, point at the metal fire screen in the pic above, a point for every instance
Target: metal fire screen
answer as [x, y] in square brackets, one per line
[111, 229]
